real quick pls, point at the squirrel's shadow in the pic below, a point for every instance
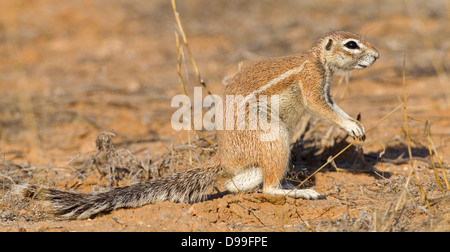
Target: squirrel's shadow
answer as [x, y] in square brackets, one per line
[307, 158]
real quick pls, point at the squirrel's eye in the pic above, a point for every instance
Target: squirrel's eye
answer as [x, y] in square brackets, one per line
[351, 45]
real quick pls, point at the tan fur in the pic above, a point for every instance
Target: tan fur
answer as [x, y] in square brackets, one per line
[301, 82]
[306, 90]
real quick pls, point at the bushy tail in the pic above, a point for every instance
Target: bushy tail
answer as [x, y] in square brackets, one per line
[188, 187]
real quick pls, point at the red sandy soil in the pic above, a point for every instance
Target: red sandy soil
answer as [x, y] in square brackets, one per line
[70, 69]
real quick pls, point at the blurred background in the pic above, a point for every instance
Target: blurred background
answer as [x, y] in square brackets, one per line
[71, 68]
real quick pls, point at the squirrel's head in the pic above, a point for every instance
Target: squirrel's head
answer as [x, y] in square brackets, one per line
[345, 51]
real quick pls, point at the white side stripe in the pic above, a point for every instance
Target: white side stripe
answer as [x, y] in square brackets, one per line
[276, 80]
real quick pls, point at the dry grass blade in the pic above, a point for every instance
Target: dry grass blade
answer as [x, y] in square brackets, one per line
[440, 164]
[431, 144]
[186, 45]
[392, 212]
[431, 157]
[183, 88]
[179, 61]
[409, 138]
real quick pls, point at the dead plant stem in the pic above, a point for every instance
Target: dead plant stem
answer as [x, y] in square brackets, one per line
[186, 45]
[409, 138]
[179, 61]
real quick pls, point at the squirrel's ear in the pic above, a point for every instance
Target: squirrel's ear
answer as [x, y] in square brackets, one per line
[328, 46]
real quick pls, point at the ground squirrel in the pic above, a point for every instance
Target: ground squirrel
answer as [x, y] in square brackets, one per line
[301, 83]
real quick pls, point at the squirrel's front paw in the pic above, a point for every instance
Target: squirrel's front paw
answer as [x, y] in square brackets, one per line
[355, 129]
